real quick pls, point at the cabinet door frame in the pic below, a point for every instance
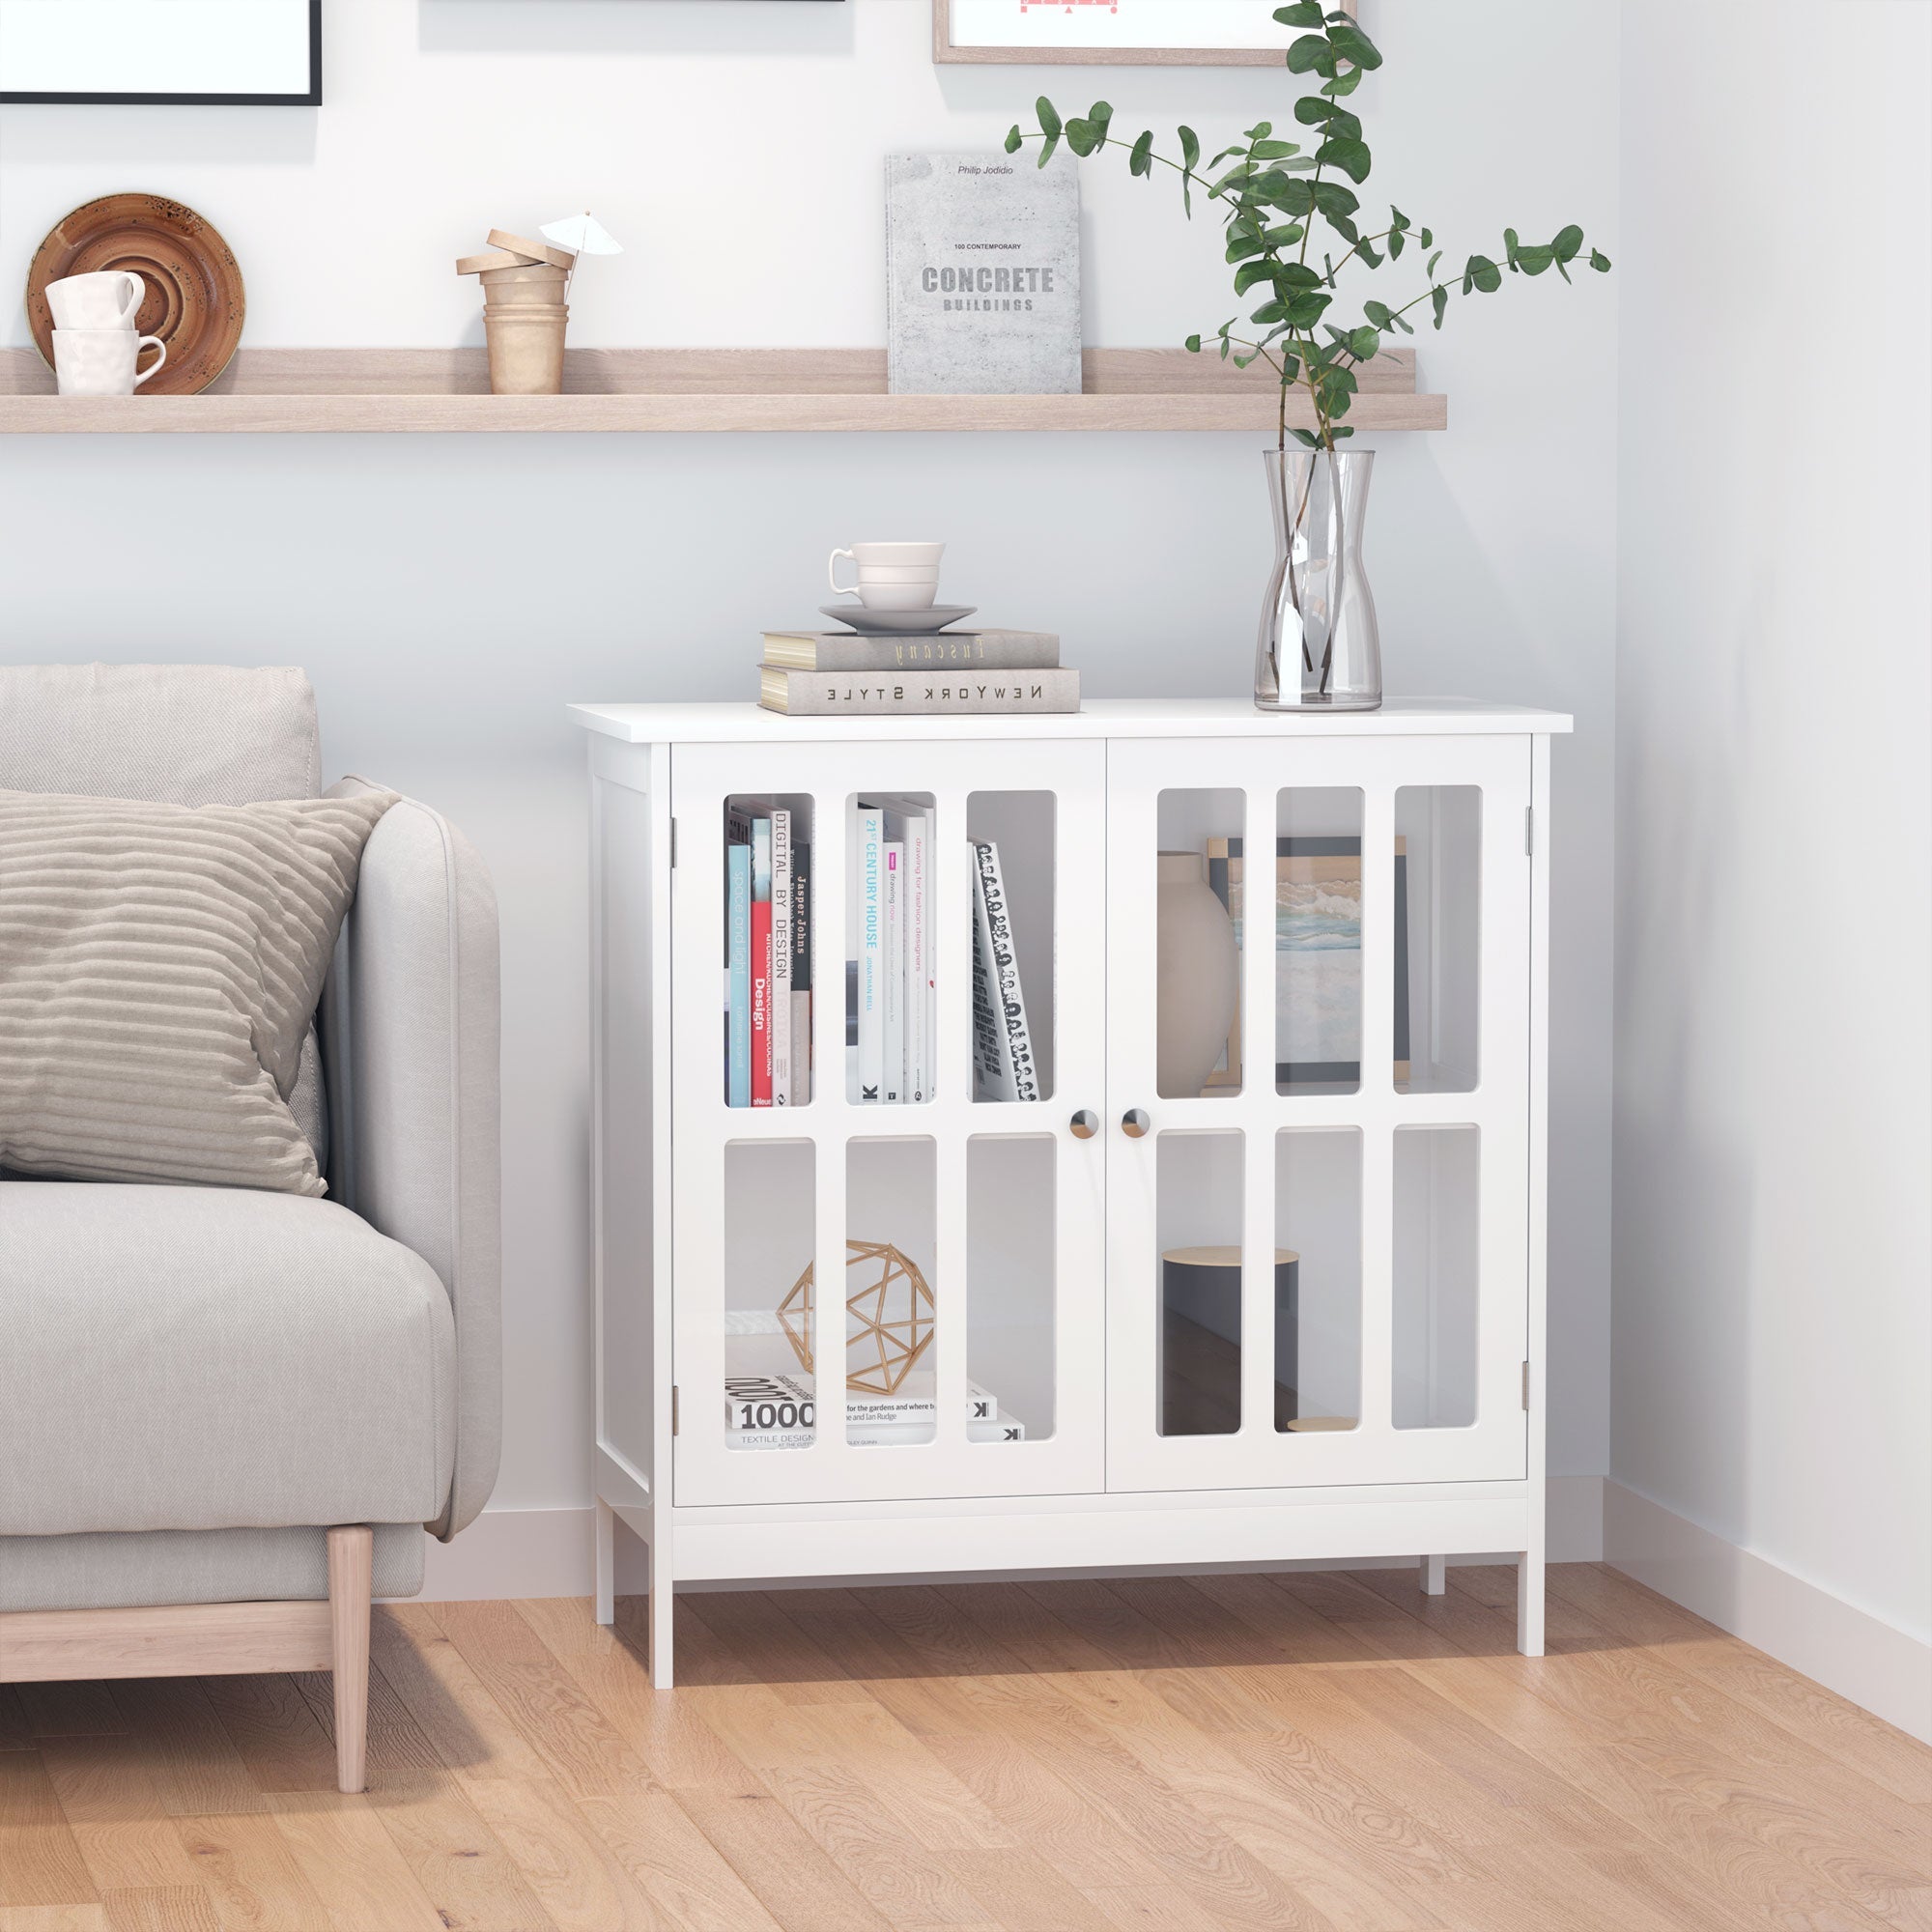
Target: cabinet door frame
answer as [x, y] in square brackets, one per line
[1257, 1456]
[1072, 1459]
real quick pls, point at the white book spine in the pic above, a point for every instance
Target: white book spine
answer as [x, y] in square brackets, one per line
[868, 939]
[992, 1057]
[893, 1032]
[918, 957]
[1009, 999]
[781, 1003]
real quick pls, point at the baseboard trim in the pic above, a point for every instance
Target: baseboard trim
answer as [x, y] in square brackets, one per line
[547, 1553]
[1882, 1669]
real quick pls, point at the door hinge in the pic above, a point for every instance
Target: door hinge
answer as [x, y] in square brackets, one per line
[673, 1405]
[1525, 1390]
[1529, 832]
[674, 844]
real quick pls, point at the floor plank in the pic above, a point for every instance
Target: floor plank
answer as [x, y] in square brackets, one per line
[1334, 1752]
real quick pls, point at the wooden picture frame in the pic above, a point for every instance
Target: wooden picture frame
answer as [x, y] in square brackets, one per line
[122, 52]
[945, 50]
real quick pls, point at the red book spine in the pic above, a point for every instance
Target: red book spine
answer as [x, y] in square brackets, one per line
[761, 1003]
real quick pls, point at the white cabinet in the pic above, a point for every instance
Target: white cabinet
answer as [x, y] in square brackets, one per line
[1293, 1311]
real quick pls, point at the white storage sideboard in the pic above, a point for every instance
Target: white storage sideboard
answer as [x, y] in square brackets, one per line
[1294, 1312]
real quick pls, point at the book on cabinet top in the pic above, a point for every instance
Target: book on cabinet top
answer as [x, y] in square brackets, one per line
[915, 693]
[921, 650]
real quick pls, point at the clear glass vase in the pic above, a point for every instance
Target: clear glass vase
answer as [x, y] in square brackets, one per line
[1319, 648]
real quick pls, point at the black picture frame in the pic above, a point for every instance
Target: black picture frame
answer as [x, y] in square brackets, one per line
[311, 98]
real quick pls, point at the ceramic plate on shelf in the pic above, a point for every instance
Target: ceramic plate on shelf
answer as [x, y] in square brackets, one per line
[195, 302]
[879, 622]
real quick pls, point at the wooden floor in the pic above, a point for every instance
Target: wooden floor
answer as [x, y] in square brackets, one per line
[1281, 1752]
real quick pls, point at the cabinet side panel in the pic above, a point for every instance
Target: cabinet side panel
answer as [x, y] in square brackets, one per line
[625, 861]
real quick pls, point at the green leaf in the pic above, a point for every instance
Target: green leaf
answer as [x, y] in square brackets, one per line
[1285, 234]
[1302, 14]
[1509, 246]
[1569, 241]
[1427, 240]
[1534, 258]
[1398, 220]
[1480, 272]
[1403, 323]
[1440, 299]
[1307, 438]
[1432, 260]
[1397, 242]
[1049, 121]
[1311, 54]
[1275, 151]
[1190, 149]
[1261, 131]
[1192, 344]
[1244, 246]
[1354, 46]
[1016, 140]
[1272, 312]
[1379, 313]
[1299, 275]
[1306, 309]
[1244, 361]
[1251, 273]
[1366, 251]
[1048, 149]
[1364, 344]
[1351, 156]
[1340, 432]
[1340, 85]
[1141, 160]
[1083, 137]
[1333, 199]
[1600, 262]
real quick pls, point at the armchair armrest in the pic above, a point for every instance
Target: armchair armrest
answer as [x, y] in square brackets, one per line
[409, 1034]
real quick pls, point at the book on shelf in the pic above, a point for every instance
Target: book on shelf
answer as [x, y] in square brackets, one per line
[779, 1001]
[738, 958]
[908, 824]
[1003, 1057]
[761, 961]
[892, 981]
[924, 650]
[800, 973]
[917, 694]
[982, 274]
[865, 940]
[789, 1401]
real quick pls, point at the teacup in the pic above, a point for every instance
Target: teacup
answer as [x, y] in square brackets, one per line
[109, 299]
[103, 362]
[891, 575]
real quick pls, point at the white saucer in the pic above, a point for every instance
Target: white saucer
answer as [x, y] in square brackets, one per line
[857, 618]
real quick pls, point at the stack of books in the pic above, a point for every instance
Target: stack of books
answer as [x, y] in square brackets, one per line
[780, 1411]
[841, 674]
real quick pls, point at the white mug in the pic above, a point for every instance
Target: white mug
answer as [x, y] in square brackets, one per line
[891, 575]
[102, 361]
[106, 300]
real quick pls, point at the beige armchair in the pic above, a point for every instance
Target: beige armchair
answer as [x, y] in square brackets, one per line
[226, 1415]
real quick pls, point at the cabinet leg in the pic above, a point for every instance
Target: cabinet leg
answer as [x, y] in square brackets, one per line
[1529, 1602]
[607, 1562]
[1434, 1575]
[660, 1617]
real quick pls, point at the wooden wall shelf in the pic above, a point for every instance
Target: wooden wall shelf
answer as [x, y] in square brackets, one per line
[393, 390]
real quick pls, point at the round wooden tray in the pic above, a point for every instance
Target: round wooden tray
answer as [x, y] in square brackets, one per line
[195, 300]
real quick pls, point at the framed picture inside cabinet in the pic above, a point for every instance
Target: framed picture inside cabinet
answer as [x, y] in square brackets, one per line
[238, 53]
[1113, 32]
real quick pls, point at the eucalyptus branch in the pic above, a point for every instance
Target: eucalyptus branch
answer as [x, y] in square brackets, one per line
[1275, 194]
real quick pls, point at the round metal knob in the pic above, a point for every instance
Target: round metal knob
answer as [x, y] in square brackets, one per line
[1134, 1123]
[1086, 1123]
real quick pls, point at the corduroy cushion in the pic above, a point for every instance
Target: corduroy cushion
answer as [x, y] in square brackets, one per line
[159, 968]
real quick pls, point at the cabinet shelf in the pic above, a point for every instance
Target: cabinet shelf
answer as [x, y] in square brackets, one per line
[686, 390]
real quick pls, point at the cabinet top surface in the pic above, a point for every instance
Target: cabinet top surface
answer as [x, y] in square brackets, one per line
[1100, 718]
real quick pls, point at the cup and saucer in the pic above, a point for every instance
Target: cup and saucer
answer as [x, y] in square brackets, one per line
[897, 588]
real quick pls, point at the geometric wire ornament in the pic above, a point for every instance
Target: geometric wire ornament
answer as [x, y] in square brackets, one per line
[894, 1314]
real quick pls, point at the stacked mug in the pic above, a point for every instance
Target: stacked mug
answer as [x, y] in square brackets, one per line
[97, 349]
[524, 312]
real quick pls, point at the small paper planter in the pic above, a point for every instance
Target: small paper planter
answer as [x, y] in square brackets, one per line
[526, 349]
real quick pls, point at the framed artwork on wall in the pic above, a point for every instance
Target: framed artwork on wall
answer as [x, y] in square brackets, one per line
[1112, 33]
[242, 54]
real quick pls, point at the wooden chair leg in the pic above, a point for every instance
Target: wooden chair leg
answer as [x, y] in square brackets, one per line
[350, 1566]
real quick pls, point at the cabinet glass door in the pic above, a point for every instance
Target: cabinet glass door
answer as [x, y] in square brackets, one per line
[1319, 1111]
[889, 1065]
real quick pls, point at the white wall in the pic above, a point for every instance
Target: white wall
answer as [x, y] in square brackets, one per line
[448, 595]
[1773, 1092]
